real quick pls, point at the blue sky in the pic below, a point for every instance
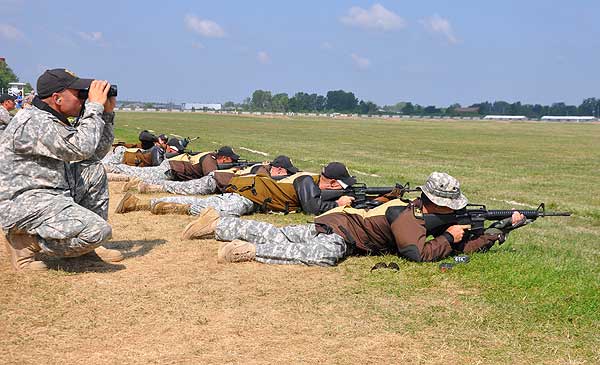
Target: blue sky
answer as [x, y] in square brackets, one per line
[428, 52]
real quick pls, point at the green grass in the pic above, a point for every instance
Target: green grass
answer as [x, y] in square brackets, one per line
[540, 290]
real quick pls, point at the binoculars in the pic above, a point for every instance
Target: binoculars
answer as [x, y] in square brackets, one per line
[83, 94]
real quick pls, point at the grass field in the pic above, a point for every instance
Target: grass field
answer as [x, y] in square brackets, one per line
[533, 300]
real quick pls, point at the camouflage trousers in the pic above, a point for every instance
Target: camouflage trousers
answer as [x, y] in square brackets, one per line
[115, 157]
[297, 244]
[89, 186]
[150, 174]
[228, 204]
[202, 186]
[69, 224]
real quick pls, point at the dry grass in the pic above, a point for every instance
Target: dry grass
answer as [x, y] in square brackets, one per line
[170, 302]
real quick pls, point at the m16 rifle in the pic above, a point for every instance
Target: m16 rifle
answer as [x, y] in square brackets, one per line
[475, 215]
[241, 163]
[364, 197]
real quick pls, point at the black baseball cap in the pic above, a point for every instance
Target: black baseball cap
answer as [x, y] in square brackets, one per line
[339, 172]
[227, 151]
[59, 79]
[286, 163]
[164, 137]
[5, 97]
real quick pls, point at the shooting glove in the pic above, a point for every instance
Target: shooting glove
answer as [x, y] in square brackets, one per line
[502, 228]
[395, 193]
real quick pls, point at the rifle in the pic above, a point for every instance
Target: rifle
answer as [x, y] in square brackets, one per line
[239, 163]
[364, 196]
[475, 216]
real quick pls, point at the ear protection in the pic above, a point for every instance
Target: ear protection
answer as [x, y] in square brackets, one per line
[58, 100]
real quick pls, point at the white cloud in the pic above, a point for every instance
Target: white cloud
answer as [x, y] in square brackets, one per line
[377, 17]
[10, 33]
[437, 24]
[204, 27]
[91, 36]
[362, 63]
[263, 57]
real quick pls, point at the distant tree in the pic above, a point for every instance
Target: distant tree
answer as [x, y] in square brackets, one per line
[408, 109]
[320, 103]
[148, 105]
[500, 107]
[280, 102]
[367, 107]
[451, 110]
[558, 109]
[341, 101]
[261, 100]
[6, 76]
[228, 105]
[431, 109]
[589, 106]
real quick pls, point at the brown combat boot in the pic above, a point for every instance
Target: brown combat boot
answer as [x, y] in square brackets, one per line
[22, 249]
[203, 227]
[108, 255]
[146, 188]
[130, 203]
[117, 177]
[132, 184]
[236, 251]
[170, 208]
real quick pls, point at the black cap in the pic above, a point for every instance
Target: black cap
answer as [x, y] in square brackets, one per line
[58, 79]
[286, 163]
[227, 151]
[163, 137]
[339, 172]
[5, 97]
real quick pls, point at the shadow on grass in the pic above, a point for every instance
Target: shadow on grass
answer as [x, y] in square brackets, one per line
[135, 248]
[92, 263]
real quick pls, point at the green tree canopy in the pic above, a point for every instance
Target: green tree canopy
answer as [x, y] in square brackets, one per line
[6, 75]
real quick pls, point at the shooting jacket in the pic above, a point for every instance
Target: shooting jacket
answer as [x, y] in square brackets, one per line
[309, 196]
[181, 170]
[398, 228]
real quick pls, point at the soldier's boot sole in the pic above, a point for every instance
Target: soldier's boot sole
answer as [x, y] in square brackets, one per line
[236, 251]
[203, 227]
[106, 255]
[132, 184]
[170, 208]
[117, 177]
[146, 188]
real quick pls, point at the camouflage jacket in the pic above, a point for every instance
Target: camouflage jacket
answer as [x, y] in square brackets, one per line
[37, 148]
[4, 118]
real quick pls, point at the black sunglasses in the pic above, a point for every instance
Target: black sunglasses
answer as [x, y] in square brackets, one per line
[382, 265]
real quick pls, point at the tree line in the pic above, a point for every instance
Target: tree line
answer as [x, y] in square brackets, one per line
[7, 76]
[340, 101]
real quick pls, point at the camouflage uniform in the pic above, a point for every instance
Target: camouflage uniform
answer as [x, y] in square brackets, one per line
[150, 174]
[5, 117]
[297, 244]
[114, 158]
[227, 205]
[202, 186]
[52, 184]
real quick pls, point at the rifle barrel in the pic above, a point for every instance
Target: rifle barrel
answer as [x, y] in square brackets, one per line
[501, 214]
